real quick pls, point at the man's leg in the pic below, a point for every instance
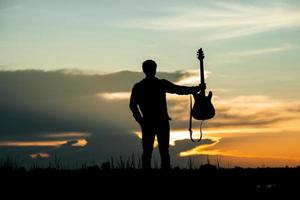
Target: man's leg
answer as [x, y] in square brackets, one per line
[163, 137]
[148, 137]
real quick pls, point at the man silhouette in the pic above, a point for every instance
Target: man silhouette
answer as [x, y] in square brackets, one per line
[149, 95]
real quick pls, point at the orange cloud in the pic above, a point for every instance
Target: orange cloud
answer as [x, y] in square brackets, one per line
[67, 134]
[40, 155]
[55, 143]
[80, 143]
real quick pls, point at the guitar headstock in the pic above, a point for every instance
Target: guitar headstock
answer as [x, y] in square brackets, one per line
[200, 54]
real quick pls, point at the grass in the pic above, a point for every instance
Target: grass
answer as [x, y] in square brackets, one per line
[127, 172]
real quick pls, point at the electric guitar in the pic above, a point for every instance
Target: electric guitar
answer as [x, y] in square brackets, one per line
[203, 109]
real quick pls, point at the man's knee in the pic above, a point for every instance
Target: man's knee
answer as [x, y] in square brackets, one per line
[164, 149]
[164, 154]
[147, 154]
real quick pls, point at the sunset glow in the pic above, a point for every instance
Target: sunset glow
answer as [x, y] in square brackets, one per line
[261, 143]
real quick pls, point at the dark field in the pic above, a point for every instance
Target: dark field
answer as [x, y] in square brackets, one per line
[206, 179]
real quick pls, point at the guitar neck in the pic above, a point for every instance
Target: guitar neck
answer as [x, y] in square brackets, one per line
[202, 72]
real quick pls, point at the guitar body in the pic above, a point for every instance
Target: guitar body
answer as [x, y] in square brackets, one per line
[203, 109]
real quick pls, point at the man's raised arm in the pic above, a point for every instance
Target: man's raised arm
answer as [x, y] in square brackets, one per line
[181, 90]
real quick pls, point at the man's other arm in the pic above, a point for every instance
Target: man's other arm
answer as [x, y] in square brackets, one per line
[133, 105]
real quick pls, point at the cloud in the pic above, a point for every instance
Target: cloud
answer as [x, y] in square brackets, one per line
[66, 113]
[80, 143]
[257, 107]
[76, 115]
[258, 113]
[180, 135]
[240, 111]
[115, 95]
[230, 19]
[270, 148]
[191, 77]
[47, 142]
[243, 111]
[201, 149]
[66, 135]
[261, 52]
[35, 101]
[54, 143]
[187, 77]
[40, 155]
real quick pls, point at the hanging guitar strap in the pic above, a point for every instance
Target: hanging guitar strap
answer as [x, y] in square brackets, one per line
[190, 124]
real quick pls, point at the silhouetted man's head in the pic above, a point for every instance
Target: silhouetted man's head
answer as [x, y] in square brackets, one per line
[149, 68]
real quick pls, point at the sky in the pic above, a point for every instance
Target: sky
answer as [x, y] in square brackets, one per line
[67, 69]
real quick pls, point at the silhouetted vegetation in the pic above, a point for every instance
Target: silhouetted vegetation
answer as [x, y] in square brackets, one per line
[127, 173]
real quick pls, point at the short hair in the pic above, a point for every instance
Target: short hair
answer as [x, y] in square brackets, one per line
[149, 66]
